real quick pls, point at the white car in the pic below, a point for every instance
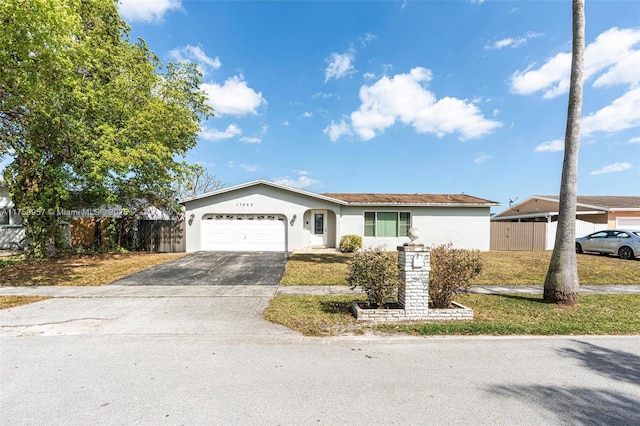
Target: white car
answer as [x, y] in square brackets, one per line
[622, 242]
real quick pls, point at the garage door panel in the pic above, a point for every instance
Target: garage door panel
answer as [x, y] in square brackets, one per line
[233, 234]
[628, 223]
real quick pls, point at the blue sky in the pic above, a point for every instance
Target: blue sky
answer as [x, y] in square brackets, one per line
[406, 97]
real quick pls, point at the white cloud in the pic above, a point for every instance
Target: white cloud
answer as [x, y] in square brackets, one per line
[512, 42]
[214, 134]
[624, 71]
[551, 146]
[368, 76]
[195, 54]
[148, 11]
[231, 164]
[481, 158]
[405, 98]
[249, 167]
[340, 65]
[324, 95]
[336, 130]
[286, 123]
[307, 114]
[612, 168]
[614, 53]
[634, 140]
[234, 97]
[302, 181]
[257, 136]
[367, 38]
[622, 114]
[251, 139]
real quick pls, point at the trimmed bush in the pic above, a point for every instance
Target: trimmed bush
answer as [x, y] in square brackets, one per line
[376, 273]
[451, 272]
[350, 243]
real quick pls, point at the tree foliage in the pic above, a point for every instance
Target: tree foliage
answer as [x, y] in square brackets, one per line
[451, 272]
[376, 273]
[89, 117]
[561, 283]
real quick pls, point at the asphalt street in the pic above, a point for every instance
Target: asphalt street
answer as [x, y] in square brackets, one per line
[214, 360]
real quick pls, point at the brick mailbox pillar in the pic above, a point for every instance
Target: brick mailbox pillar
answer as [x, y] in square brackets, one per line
[414, 262]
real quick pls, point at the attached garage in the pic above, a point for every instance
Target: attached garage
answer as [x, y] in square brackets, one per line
[243, 232]
[628, 223]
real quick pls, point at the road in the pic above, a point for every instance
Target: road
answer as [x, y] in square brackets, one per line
[214, 360]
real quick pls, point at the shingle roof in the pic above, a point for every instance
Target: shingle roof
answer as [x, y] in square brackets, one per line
[423, 199]
[604, 201]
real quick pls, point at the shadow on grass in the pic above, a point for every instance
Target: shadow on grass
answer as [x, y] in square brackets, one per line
[523, 298]
[617, 365]
[336, 307]
[325, 258]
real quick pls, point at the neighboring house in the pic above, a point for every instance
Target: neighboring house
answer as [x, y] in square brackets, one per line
[538, 217]
[11, 231]
[264, 216]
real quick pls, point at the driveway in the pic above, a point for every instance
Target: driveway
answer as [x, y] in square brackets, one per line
[213, 268]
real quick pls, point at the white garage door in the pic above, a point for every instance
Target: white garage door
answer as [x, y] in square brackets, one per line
[243, 232]
[628, 223]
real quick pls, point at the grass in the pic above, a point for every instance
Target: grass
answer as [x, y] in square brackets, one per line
[500, 268]
[78, 270]
[530, 268]
[13, 301]
[317, 269]
[494, 315]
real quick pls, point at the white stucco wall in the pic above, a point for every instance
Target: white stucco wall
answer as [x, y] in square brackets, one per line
[465, 227]
[257, 199]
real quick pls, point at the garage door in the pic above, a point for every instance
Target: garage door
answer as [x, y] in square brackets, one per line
[628, 223]
[243, 232]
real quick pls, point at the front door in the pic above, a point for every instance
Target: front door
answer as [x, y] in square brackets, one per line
[318, 229]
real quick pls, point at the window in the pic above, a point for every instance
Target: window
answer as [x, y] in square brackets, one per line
[386, 224]
[4, 217]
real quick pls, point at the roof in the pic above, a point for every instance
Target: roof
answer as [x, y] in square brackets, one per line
[586, 204]
[603, 202]
[447, 200]
[412, 199]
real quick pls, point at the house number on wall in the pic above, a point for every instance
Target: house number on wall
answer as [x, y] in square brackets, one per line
[244, 204]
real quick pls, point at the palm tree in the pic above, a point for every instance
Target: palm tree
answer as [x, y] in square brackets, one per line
[561, 283]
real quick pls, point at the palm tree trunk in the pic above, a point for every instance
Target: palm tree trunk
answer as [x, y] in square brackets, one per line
[561, 284]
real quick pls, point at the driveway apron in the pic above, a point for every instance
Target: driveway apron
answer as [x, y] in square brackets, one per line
[213, 268]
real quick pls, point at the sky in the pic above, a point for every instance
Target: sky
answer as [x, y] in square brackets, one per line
[406, 96]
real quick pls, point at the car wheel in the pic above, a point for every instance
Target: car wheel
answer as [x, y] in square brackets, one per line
[579, 248]
[625, 253]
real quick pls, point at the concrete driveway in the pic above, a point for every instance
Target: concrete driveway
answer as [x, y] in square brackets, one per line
[213, 268]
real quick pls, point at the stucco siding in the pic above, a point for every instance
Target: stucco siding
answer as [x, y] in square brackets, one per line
[464, 227]
[258, 199]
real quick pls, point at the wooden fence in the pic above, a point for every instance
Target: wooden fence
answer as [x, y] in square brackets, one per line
[518, 235]
[162, 236]
[533, 235]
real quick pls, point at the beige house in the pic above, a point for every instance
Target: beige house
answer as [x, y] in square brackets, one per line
[265, 216]
[531, 225]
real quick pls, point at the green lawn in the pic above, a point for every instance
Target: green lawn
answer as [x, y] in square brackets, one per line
[500, 268]
[494, 315]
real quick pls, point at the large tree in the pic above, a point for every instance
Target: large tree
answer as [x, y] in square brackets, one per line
[561, 283]
[89, 117]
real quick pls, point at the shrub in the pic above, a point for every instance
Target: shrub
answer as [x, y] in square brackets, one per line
[451, 273]
[376, 273]
[350, 243]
